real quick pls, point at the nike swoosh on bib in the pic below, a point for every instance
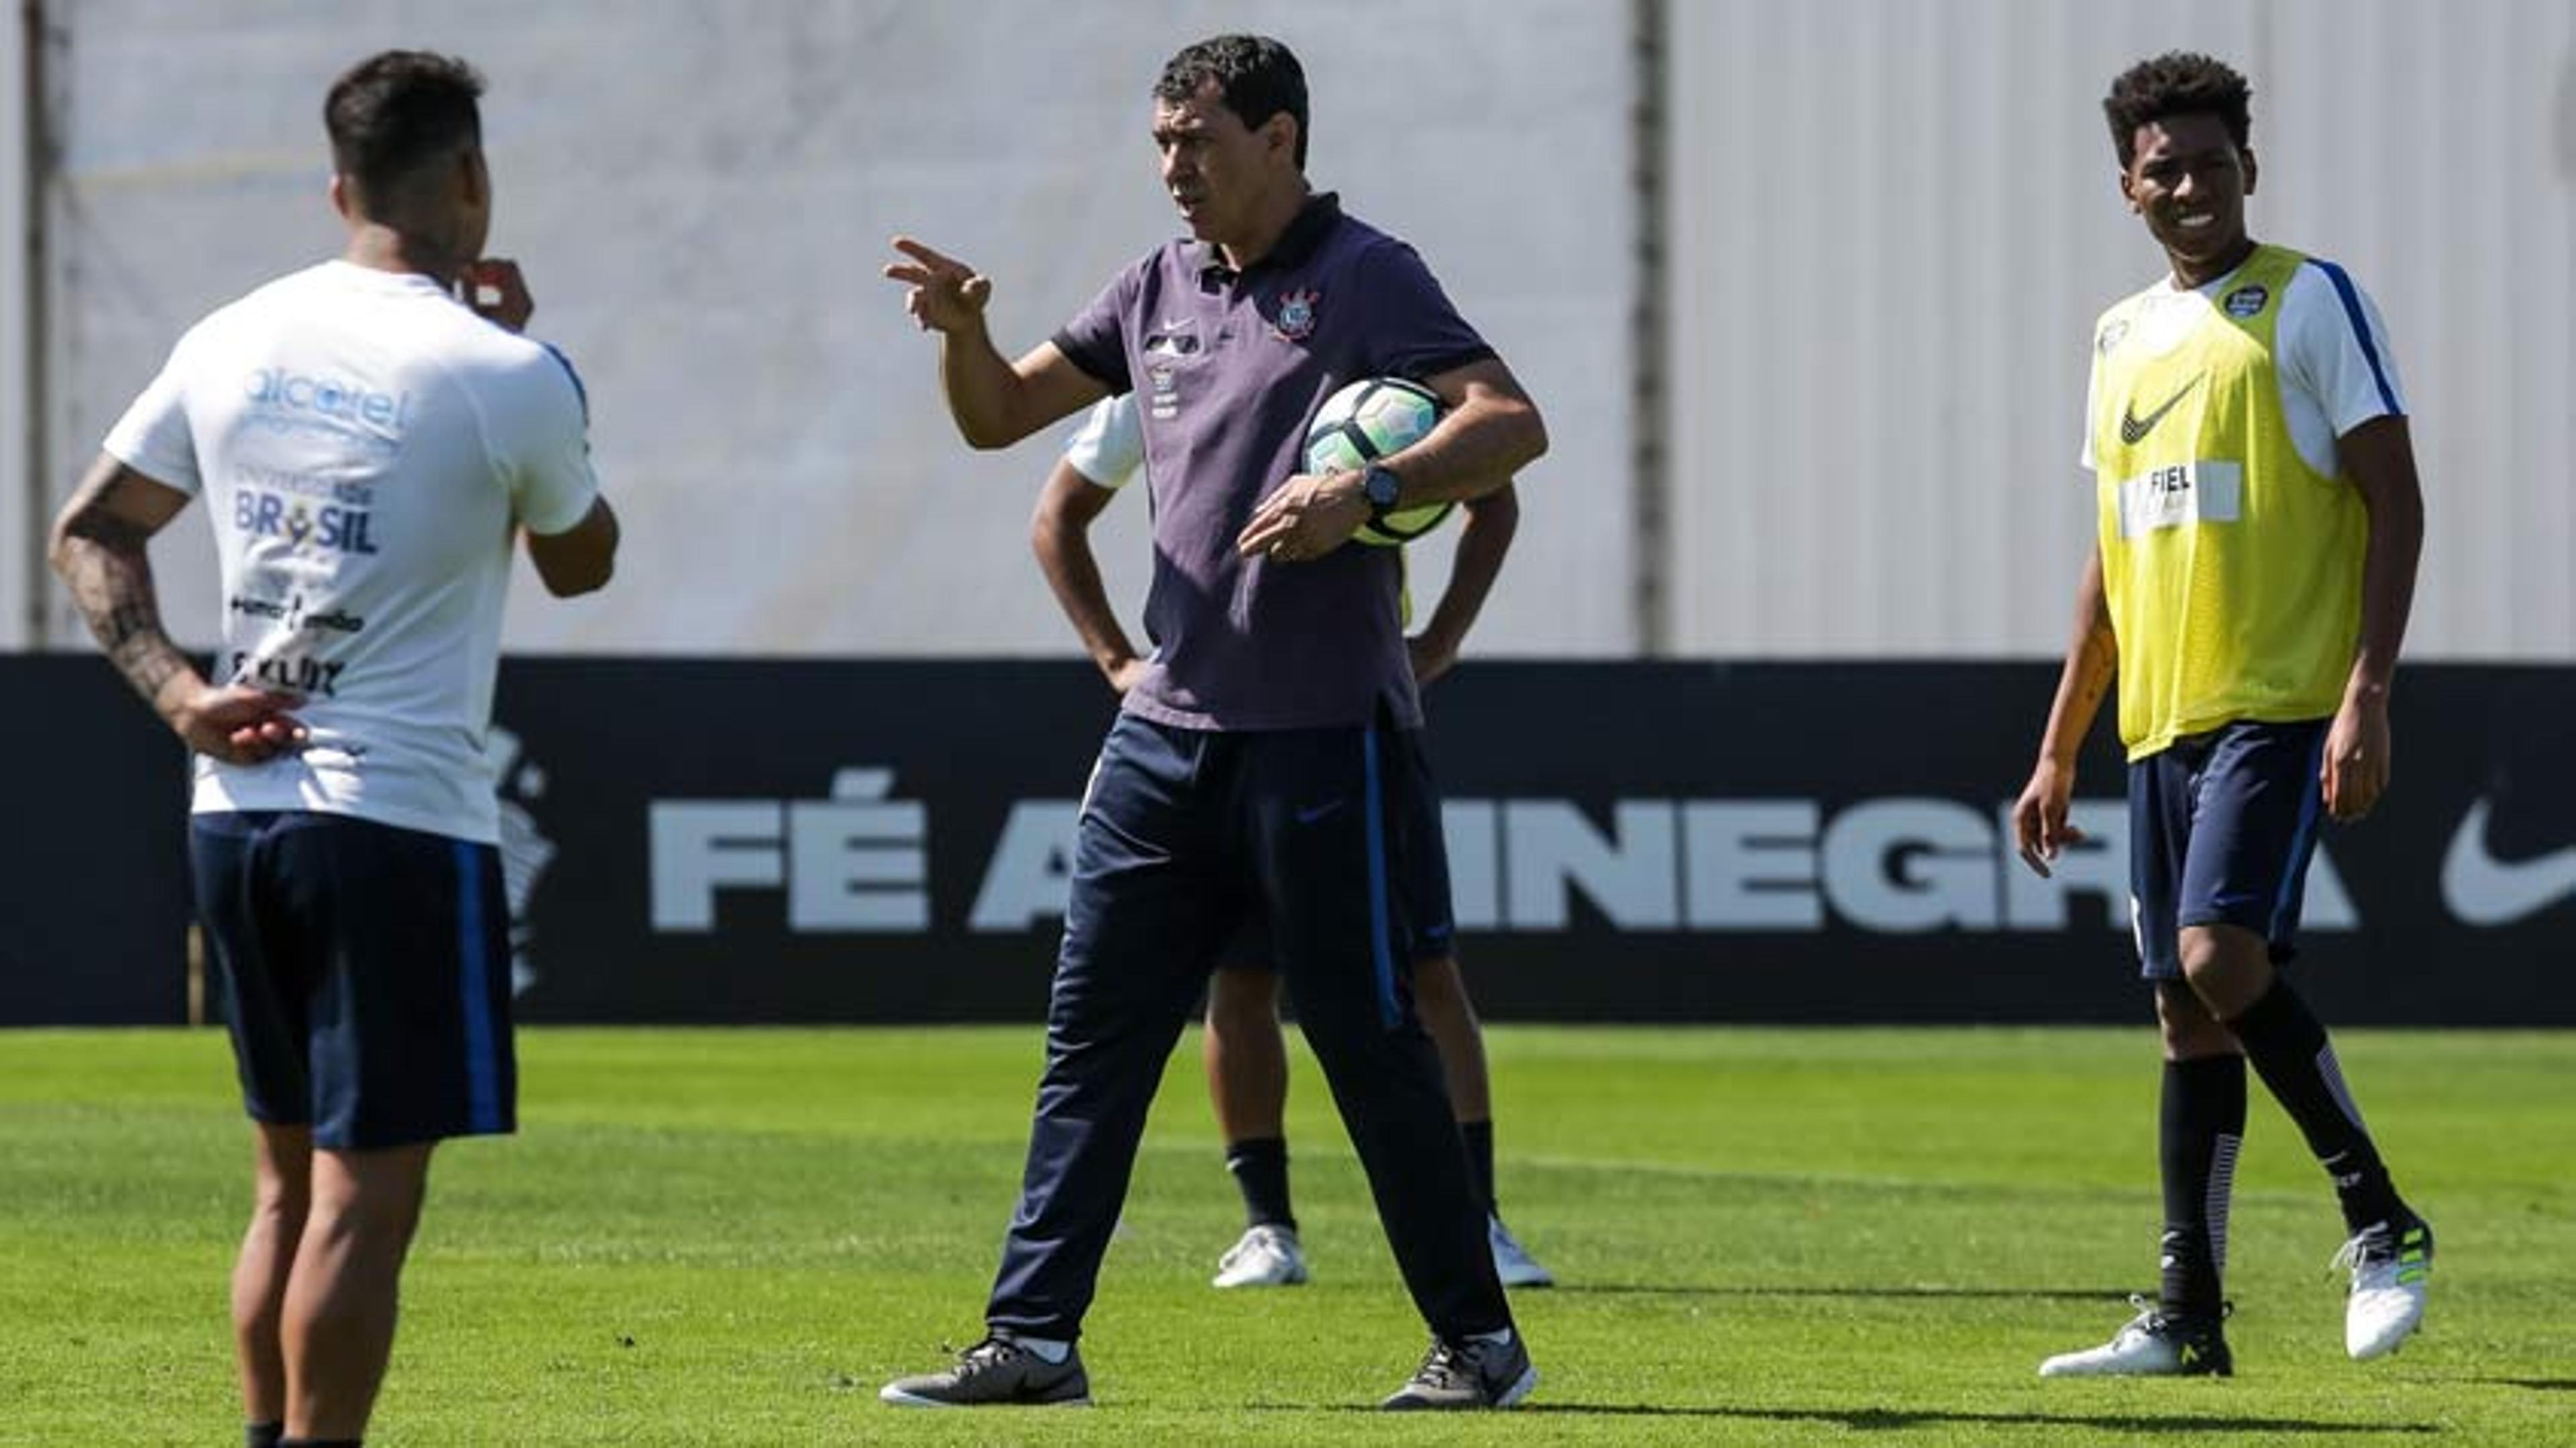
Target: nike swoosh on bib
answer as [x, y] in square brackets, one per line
[2134, 429]
[2483, 890]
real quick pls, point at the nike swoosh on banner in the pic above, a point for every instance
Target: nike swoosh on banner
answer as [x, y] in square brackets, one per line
[2134, 429]
[1312, 813]
[2483, 890]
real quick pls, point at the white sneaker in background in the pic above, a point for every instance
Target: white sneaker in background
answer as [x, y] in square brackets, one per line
[1512, 1261]
[1265, 1256]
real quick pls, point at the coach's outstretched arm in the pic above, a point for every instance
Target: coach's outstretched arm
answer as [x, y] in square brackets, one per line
[995, 402]
[98, 548]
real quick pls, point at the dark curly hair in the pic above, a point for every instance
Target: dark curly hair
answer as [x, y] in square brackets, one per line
[393, 111]
[2178, 82]
[1258, 76]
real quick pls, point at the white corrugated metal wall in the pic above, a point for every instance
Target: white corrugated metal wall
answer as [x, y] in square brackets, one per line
[702, 195]
[1892, 223]
[17, 508]
[1889, 224]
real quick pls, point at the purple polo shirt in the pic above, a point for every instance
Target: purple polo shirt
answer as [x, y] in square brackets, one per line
[1228, 368]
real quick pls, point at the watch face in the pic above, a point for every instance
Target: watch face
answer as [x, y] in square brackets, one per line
[1381, 485]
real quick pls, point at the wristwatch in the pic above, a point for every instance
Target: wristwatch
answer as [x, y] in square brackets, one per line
[1380, 484]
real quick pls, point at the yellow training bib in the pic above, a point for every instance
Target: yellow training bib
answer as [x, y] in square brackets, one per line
[2232, 568]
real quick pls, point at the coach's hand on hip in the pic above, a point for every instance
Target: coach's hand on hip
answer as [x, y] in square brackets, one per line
[1307, 517]
[946, 294]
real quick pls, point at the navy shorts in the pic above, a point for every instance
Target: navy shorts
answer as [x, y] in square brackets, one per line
[2221, 828]
[364, 972]
[1421, 876]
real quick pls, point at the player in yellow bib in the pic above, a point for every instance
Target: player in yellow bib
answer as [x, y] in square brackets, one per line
[2259, 525]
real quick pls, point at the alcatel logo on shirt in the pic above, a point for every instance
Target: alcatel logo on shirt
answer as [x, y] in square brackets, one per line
[275, 387]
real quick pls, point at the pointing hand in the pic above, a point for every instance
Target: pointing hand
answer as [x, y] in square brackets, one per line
[947, 295]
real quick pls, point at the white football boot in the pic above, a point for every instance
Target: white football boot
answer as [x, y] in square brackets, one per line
[2392, 1267]
[2151, 1345]
[1265, 1256]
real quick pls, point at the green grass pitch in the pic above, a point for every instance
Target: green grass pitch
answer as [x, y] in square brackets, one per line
[1765, 1236]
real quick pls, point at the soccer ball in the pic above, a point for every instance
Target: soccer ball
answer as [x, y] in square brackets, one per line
[1367, 420]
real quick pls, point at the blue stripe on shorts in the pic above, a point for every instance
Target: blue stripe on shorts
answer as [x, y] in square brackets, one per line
[482, 1069]
[2300, 843]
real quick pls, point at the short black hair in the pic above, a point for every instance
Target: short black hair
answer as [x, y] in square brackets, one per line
[393, 111]
[1258, 76]
[2177, 83]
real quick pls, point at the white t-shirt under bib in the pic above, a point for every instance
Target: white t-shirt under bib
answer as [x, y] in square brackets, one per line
[1109, 446]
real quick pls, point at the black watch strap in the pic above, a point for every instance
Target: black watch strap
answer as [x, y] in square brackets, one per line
[1381, 487]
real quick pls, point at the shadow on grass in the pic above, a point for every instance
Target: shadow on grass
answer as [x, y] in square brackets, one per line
[1894, 1419]
[2001, 1294]
[1884, 1420]
[2537, 1385]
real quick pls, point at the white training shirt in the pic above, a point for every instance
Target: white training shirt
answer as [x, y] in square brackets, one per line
[2330, 352]
[1109, 446]
[365, 444]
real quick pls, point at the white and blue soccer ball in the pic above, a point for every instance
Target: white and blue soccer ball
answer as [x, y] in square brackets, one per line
[1373, 418]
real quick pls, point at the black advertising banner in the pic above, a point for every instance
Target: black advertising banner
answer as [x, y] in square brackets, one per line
[750, 841]
[744, 841]
[1687, 842]
[94, 860]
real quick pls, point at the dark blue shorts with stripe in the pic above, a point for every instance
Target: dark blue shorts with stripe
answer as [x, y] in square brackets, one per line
[364, 972]
[2221, 828]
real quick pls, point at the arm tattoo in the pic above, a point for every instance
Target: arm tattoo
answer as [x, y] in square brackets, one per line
[103, 561]
[125, 623]
[107, 530]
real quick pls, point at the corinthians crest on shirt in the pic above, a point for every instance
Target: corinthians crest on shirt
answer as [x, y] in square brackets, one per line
[1296, 320]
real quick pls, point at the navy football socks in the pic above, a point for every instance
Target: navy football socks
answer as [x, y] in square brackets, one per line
[1260, 1167]
[2201, 1128]
[2290, 1051]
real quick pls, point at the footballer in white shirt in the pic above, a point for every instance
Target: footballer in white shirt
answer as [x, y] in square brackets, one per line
[370, 434]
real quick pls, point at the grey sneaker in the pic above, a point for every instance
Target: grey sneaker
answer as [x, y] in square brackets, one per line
[996, 1371]
[1512, 1261]
[1470, 1374]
